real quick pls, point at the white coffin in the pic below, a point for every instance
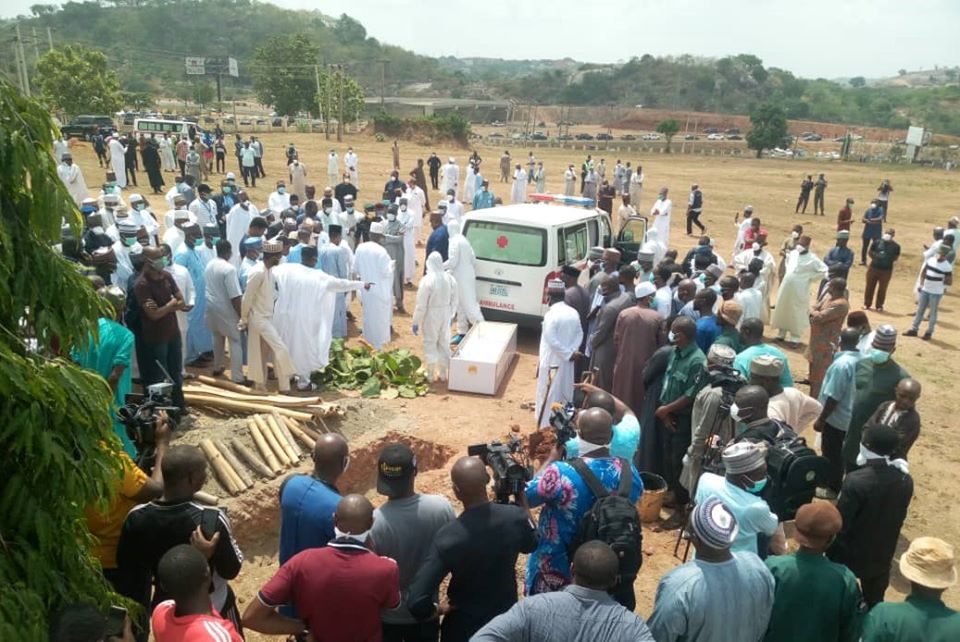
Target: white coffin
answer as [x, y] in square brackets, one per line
[483, 357]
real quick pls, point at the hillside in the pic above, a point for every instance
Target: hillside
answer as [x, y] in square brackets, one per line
[174, 29]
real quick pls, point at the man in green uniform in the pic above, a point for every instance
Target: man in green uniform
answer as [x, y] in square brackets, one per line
[814, 599]
[876, 381]
[686, 374]
[930, 565]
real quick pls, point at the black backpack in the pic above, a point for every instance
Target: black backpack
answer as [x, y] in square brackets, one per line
[612, 519]
[795, 472]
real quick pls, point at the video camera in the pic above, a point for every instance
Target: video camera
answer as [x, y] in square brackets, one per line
[139, 417]
[561, 420]
[509, 475]
[729, 379]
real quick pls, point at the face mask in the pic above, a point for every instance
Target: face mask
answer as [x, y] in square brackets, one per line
[403, 208]
[795, 234]
[671, 337]
[757, 486]
[879, 356]
[887, 237]
[357, 537]
[214, 240]
[198, 242]
[130, 241]
[349, 210]
[735, 413]
[587, 447]
[227, 189]
[653, 306]
[140, 207]
[281, 190]
[245, 204]
[391, 217]
[159, 264]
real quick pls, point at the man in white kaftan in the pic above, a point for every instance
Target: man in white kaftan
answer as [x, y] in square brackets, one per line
[72, 177]
[238, 223]
[117, 160]
[451, 176]
[298, 179]
[374, 267]
[764, 282]
[304, 312]
[660, 212]
[518, 194]
[462, 264]
[792, 314]
[256, 316]
[436, 302]
[222, 314]
[560, 342]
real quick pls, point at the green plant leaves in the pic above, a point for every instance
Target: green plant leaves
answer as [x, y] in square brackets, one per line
[384, 374]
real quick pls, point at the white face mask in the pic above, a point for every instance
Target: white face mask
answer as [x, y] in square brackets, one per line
[360, 538]
[391, 217]
[795, 234]
[887, 237]
[671, 337]
[735, 413]
[587, 447]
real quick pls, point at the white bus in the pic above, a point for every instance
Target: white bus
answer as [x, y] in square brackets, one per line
[160, 126]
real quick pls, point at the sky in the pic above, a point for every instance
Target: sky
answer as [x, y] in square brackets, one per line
[811, 38]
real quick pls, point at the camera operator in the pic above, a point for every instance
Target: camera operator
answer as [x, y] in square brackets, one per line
[751, 406]
[711, 421]
[566, 498]
[626, 427]
[85, 623]
[152, 529]
[479, 551]
[131, 488]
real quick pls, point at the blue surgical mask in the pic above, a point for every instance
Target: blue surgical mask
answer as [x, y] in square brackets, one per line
[227, 189]
[281, 190]
[214, 240]
[198, 242]
[130, 241]
[757, 486]
[879, 356]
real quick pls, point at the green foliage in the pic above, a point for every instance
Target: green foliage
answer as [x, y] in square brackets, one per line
[768, 128]
[388, 375]
[283, 76]
[669, 129]
[858, 81]
[450, 126]
[331, 93]
[54, 417]
[77, 80]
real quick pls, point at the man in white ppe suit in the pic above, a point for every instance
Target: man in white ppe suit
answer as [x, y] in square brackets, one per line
[462, 264]
[436, 302]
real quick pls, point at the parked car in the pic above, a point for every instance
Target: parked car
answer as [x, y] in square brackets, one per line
[734, 137]
[711, 130]
[228, 120]
[810, 136]
[733, 131]
[691, 137]
[651, 136]
[496, 123]
[565, 137]
[538, 136]
[628, 137]
[604, 136]
[584, 137]
[84, 126]
[715, 136]
[495, 135]
[245, 121]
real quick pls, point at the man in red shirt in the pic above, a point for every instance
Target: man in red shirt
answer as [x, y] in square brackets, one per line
[338, 590]
[845, 216]
[184, 573]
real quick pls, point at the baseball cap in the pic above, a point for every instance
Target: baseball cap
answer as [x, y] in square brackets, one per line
[396, 465]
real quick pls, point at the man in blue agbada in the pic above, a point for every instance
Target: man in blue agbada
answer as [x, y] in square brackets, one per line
[191, 256]
[110, 357]
[335, 261]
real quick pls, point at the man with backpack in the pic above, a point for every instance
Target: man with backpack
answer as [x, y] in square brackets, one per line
[594, 493]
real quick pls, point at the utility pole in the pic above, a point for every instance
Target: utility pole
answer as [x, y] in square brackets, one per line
[36, 45]
[383, 81]
[328, 86]
[340, 104]
[326, 122]
[22, 64]
[50, 38]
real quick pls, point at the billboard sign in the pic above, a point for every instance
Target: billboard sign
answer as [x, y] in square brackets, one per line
[195, 66]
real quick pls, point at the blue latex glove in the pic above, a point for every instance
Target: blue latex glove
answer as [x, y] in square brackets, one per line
[416, 329]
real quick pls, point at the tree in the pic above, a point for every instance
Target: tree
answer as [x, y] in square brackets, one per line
[76, 80]
[54, 417]
[330, 92]
[669, 129]
[858, 81]
[283, 76]
[768, 128]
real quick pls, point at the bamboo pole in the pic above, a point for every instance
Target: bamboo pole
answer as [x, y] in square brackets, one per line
[291, 453]
[206, 498]
[261, 441]
[214, 401]
[232, 460]
[226, 385]
[285, 401]
[227, 478]
[272, 441]
[302, 436]
[310, 432]
[285, 431]
[251, 459]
